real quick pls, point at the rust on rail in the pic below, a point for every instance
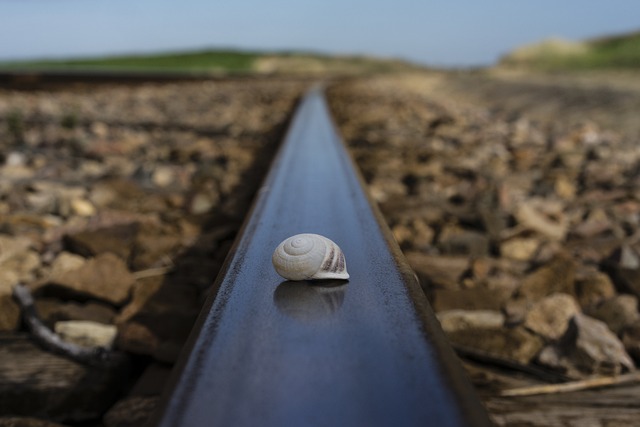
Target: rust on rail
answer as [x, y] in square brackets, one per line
[362, 352]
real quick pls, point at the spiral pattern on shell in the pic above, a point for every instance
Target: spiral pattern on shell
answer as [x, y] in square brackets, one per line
[309, 256]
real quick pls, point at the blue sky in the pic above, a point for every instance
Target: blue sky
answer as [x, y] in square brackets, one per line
[445, 32]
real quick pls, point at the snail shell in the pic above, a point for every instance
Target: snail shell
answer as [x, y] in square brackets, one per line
[309, 256]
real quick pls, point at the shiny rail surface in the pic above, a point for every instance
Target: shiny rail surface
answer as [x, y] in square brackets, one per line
[367, 352]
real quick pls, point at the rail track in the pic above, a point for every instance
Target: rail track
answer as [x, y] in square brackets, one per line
[269, 352]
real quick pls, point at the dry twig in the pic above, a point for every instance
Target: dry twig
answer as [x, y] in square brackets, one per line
[151, 272]
[572, 386]
[489, 359]
[49, 339]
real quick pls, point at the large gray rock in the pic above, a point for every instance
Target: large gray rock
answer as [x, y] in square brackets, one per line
[588, 348]
[595, 342]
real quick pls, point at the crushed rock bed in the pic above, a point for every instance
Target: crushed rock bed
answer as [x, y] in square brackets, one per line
[118, 205]
[524, 231]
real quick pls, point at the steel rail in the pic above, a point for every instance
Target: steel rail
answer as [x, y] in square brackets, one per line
[367, 352]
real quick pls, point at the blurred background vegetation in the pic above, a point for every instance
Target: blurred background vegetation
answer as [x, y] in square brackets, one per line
[553, 54]
[620, 51]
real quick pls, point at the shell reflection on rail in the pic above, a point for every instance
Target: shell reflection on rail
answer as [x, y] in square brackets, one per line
[362, 352]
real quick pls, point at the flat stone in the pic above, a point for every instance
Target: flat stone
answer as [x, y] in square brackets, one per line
[117, 239]
[514, 344]
[550, 316]
[556, 276]
[455, 320]
[617, 312]
[86, 333]
[104, 277]
[438, 271]
[40, 384]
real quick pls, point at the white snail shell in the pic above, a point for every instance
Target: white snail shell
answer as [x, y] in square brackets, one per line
[309, 256]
